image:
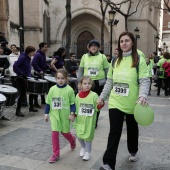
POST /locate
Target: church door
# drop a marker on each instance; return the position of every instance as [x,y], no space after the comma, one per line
[82,42]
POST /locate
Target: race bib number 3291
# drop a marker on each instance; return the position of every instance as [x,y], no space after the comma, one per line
[57,103]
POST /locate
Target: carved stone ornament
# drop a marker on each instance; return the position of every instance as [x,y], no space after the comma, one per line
[56,11]
[85,2]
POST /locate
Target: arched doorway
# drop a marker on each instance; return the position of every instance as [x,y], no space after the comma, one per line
[82,42]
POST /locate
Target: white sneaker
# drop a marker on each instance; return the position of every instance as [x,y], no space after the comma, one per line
[86,156]
[133,157]
[82,151]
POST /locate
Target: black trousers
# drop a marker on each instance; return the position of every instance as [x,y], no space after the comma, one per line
[32,98]
[21,85]
[116,118]
[98,89]
[167,86]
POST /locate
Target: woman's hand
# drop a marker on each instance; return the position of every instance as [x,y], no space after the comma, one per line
[100,101]
[53,64]
[143,101]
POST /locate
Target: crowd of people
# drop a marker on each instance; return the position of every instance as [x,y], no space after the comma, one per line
[124,79]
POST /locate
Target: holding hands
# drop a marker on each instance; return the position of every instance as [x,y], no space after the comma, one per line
[71,117]
[46,117]
[100,101]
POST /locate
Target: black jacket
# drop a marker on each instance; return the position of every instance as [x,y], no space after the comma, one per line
[71,67]
[3,41]
[4,63]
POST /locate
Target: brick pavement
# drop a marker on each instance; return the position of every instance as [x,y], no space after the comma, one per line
[25,143]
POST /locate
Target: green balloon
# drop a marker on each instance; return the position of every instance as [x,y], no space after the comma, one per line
[144,115]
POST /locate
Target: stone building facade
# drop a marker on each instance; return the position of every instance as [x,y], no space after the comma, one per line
[166,30]
[45,20]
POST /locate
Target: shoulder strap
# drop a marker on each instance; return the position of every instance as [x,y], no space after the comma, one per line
[113,60]
[137,69]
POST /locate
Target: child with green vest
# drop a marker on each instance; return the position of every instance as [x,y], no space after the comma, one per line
[86,112]
[60,103]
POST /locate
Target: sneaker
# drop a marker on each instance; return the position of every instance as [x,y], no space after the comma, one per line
[82,151]
[54,159]
[133,157]
[74,144]
[105,167]
[86,156]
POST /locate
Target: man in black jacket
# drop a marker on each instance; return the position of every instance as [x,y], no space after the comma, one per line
[4,63]
[71,67]
[3,43]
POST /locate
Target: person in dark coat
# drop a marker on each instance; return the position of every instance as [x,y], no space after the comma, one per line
[3,43]
[22,67]
[4,63]
[40,66]
[58,59]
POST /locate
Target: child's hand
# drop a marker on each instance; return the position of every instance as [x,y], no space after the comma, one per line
[46,118]
[71,117]
[100,101]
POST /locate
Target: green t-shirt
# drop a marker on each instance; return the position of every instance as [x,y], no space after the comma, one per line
[86,110]
[60,100]
[125,91]
[161,56]
[159,64]
[141,54]
[94,66]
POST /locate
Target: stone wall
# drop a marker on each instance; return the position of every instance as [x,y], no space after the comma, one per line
[86,16]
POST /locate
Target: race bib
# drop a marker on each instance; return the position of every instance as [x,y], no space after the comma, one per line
[121,89]
[86,109]
[57,103]
[93,71]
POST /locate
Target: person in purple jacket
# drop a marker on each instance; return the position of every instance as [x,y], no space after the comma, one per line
[22,67]
[58,60]
[40,66]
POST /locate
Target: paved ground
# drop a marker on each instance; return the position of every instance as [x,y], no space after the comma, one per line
[25,143]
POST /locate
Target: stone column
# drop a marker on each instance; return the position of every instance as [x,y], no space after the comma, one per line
[4,12]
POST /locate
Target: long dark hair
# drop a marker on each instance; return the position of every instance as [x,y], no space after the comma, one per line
[135,59]
[59,52]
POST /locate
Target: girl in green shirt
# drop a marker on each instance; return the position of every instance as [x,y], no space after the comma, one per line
[60,103]
[86,112]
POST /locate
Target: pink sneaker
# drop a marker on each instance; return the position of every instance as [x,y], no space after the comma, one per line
[54,159]
[73,145]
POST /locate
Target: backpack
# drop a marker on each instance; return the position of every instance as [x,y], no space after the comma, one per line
[166,66]
[137,67]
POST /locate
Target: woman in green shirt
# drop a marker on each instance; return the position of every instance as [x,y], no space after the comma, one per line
[95,65]
[127,84]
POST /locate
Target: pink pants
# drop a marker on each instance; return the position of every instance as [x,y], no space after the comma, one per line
[55,141]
